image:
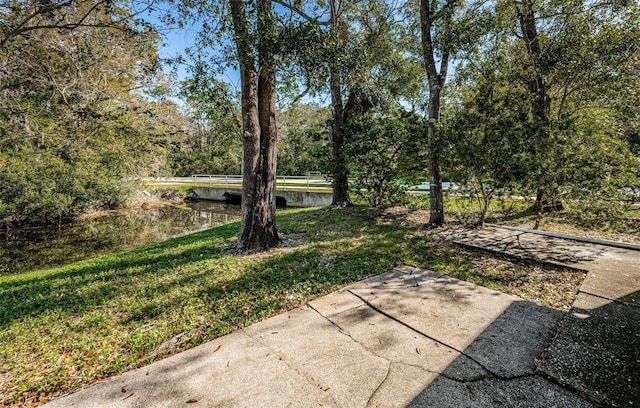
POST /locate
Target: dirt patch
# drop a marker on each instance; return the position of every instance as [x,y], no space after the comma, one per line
[399,215]
[288,243]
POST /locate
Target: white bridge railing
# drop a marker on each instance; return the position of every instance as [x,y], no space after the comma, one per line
[284,183]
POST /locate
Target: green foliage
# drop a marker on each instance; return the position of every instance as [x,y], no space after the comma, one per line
[74,120]
[556,121]
[303,141]
[487,131]
[599,178]
[47,189]
[212,142]
[380,151]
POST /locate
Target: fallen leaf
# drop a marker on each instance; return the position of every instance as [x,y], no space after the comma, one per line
[326,389]
[418,350]
[123,390]
[192,401]
[128,396]
[274,332]
[217,348]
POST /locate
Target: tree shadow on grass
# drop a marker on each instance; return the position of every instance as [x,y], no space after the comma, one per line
[110,304]
[81,287]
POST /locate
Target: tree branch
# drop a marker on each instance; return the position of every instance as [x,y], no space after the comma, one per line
[38,11]
[301,12]
[24,27]
[302,95]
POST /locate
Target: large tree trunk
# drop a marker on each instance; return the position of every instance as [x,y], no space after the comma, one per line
[538,87]
[340,175]
[436,83]
[258,231]
[436,198]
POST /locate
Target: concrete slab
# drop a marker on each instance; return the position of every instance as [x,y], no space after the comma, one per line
[597,351]
[448,310]
[531,246]
[414,360]
[233,371]
[597,347]
[614,272]
[403,384]
[311,345]
[335,303]
[511,346]
[578,238]
[507,348]
[522,392]
[615,275]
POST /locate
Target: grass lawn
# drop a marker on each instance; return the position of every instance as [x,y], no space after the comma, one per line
[518,213]
[66,327]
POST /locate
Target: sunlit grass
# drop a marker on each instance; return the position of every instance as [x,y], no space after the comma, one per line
[519,212]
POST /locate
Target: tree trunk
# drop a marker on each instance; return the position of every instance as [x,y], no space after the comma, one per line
[436,83]
[258,231]
[340,175]
[539,88]
[436,198]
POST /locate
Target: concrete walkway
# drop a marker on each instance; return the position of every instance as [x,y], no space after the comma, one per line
[414,338]
[597,348]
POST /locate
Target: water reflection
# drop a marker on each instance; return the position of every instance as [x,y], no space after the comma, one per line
[34,248]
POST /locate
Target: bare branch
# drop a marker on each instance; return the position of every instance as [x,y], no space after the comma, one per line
[37,12]
[24,26]
[302,95]
[300,12]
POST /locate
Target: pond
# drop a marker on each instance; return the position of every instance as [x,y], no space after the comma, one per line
[35,248]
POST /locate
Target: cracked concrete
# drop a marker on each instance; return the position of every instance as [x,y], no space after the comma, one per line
[383,342]
[525,392]
[415,338]
[597,348]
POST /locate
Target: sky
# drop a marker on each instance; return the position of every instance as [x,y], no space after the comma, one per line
[175,40]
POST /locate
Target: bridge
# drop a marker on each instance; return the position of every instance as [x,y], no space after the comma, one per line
[291,191]
[311,190]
